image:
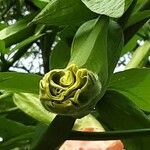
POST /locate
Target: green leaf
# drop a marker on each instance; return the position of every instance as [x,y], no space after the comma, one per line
[6,102]
[137,17]
[119,113]
[39,130]
[132,44]
[20,141]
[83,44]
[140,56]
[127,4]
[19,116]
[68,32]
[19,82]
[41,3]
[2,47]
[131,30]
[10,130]
[140,4]
[63,12]
[134,84]
[89,47]
[114,45]
[60,55]
[31,105]
[57,132]
[80,124]
[26,42]
[93,49]
[19,30]
[145,31]
[112,8]
[88,121]
[124,18]
[2,26]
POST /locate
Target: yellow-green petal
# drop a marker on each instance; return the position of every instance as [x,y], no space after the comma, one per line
[71,91]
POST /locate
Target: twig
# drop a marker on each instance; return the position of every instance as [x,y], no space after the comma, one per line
[109,135]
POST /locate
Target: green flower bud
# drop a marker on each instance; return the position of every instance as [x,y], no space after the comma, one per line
[71,91]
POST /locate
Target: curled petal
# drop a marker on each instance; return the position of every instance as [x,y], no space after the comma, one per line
[70,91]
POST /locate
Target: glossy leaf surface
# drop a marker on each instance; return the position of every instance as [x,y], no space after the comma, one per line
[19,82]
[31,105]
[63,12]
[60,55]
[134,84]
[89,47]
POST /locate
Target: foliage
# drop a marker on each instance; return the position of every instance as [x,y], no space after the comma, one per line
[92,34]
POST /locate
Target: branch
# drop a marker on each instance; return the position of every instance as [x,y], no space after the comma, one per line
[46,43]
[108,135]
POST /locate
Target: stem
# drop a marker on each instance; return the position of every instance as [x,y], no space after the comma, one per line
[109,135]
[46,43]
[39,29]
[139,56]
[56,133]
